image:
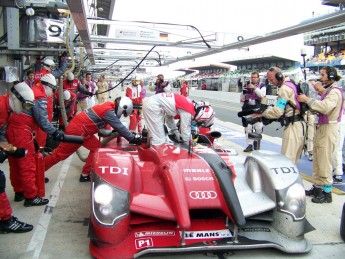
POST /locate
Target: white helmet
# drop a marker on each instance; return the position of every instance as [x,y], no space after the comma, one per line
[48,64]
[66,95]
[21,98]
[123,105]
[135,80]
[49,80]
[70,76]
[204,114]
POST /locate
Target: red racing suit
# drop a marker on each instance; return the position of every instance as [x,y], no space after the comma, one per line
[184,89]
[5,206]
[69,106]
[134,93]
[20,133]
[75,86]
[86,124]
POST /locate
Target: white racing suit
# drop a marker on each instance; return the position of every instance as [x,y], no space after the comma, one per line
[162,108]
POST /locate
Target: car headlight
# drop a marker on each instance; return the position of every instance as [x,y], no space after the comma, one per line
[109,204]
[292,201]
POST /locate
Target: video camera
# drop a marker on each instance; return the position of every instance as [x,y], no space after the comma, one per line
[248,119]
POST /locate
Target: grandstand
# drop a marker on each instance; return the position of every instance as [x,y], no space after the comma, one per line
[223,76]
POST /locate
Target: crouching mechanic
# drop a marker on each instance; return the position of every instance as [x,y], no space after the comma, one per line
[20,132]
[21,97]
[166,106]
[88,123]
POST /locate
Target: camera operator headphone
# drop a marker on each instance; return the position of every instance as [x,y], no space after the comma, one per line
[331,75]
[278,75]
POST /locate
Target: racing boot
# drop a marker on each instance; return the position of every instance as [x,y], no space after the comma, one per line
[14,225]
[84,178]
[312,190]
[37,201]
[323,197]
[18,196]
[249,148]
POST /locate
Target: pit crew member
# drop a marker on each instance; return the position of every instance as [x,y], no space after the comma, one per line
[133,92]
[20,97]
[20,132]
[163,107]
[88,123]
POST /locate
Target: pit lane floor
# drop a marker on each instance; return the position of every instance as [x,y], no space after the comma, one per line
[60,228]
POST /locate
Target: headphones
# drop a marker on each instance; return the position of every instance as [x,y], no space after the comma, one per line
[331,75]
[278,75]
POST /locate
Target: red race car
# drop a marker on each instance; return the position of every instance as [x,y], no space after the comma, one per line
[196,198]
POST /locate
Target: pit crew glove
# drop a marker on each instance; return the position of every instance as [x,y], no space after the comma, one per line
[177,135]
[58,135]
[136,140]
[19,153]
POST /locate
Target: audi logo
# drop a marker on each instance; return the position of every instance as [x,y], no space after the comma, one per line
[203,195]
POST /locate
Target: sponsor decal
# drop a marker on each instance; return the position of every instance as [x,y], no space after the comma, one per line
[155,233]
[256,229]
[196,170]
[202,179]
[113,170]
[143,243]
[284,170]
[203,195]
[207,234]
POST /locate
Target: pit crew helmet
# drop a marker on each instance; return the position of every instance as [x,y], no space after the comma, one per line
[21,97]
[48,64]
[66,95]
[135,80]
[49,83]
[204,114]
[123,105]
[70,77]
[49,80]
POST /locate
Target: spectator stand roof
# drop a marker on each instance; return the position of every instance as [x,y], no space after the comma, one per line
[267,60]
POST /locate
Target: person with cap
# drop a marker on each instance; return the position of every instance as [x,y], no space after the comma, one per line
[102,87]
[330,108]
[287,111]
[163,107]
[133,92]
[88,123]
[19,98]
[20,132]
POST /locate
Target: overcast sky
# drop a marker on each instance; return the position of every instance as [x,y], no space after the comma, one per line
[246,17]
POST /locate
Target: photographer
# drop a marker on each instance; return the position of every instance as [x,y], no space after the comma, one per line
[160,84]
[251,97]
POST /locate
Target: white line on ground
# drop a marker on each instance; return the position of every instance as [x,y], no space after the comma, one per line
[37,240]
